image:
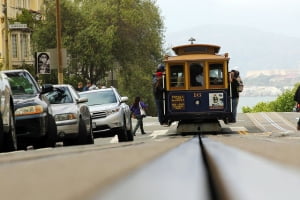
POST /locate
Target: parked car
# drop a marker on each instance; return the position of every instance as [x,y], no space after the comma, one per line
[8,139]
[110,113]
[72,115]
[35,124]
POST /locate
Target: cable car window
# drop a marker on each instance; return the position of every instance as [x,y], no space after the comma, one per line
[177,75]
[196,74]
[216,74]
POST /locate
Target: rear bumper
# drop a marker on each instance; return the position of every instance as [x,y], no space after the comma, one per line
[188,116]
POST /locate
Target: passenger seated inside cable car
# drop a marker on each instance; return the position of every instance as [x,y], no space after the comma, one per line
[196,74]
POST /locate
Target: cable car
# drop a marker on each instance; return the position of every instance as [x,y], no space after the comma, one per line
[197,86]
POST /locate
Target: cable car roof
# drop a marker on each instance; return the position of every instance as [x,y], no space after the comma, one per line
[196,49]
[193,57]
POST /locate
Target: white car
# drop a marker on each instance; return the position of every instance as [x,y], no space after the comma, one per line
[72,116]
[8,141]
[110,113]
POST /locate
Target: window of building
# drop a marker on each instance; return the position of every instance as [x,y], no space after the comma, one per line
[24,45]
[14,41]
[23,4]
[177,75]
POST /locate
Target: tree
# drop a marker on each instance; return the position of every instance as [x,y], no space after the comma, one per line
[122,36]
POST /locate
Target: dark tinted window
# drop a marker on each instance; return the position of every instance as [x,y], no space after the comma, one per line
[59,96]
[21,83]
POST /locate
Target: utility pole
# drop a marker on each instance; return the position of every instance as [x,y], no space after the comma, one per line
[58,44]
[7,65]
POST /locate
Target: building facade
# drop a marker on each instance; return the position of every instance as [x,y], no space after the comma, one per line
[15,48]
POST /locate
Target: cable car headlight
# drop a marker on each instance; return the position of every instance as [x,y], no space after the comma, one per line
[197,102]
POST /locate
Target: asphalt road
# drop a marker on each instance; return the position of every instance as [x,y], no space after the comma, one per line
[79,172]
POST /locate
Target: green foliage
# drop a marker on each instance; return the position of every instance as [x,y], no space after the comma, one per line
[283,103]
[26,17]
[123,36]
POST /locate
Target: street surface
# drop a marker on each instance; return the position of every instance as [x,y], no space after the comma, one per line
[88,171]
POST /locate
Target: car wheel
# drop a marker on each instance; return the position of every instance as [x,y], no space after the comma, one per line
[68,142]
[1,135]
[51,137]
[122,134]
[10,139]
[90,136]
[83,133]
[129,132]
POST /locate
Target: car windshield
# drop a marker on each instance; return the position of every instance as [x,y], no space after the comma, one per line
[59,96]
[21,83]
[100,97]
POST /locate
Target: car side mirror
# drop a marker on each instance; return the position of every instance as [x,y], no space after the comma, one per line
[124,99]
[47,88]
[82,100]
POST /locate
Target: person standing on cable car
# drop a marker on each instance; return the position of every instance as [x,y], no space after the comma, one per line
[234,92]
[158,93]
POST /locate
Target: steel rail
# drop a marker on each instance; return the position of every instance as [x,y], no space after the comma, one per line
[243,176]
[179,174]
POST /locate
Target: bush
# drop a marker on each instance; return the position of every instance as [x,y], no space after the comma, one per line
[283,103]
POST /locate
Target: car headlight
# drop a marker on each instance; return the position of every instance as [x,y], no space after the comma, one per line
[65,116]
[109,112]
[29,110]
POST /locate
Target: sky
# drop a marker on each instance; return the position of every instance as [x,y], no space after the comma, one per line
[277,16]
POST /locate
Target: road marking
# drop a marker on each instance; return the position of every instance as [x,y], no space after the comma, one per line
[256,122]
[238,128]
[243,132]
[274,124]
[154,134]
[115,139]
[264,122]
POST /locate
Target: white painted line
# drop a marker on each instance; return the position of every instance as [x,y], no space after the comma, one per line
[115,139]
[274,124]
[154,134]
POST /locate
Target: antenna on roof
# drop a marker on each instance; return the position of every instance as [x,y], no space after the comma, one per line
[192,40]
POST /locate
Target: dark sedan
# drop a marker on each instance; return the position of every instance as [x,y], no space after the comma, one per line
[35,124]
[8,140]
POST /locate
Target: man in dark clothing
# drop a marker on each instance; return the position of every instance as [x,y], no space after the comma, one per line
[158,95]
[234,92]
[297,99]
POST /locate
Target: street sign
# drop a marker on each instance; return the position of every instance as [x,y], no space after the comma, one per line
[17,26]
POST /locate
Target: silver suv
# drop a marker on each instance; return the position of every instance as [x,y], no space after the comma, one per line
[110,113]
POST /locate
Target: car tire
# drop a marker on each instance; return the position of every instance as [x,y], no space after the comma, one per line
[51,137]
[83,133]
[122,133]
[10,139]
[1,135]
[129,132]
[90,135]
